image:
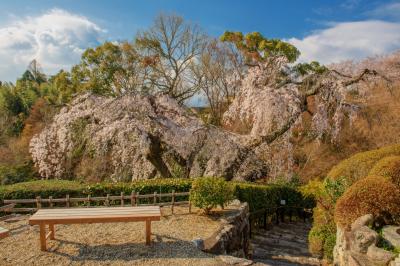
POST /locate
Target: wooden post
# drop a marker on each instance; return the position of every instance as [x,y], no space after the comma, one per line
[133,198]
[42,237]
[148,232]
[250,225]
[265,219]
[137,199]
[172,201]
[38,202]
[52,232]
[107,202]
[190,206]
[88,201]
[67,200]
[154,198]
[51,201]
[122,199]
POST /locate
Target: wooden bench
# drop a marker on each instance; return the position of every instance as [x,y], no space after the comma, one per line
[52,217]
[4,232]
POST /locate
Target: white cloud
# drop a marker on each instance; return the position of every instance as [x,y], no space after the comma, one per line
[56,39]
[349,40]
[390,10]
[350,4]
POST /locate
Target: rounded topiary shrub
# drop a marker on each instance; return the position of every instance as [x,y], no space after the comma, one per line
[371,195]
[360,164]
[210,192]
[388,167]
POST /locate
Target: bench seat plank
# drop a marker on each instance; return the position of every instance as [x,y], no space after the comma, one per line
[51,217]
[101,215]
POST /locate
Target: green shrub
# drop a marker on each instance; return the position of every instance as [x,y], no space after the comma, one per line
[257,196]
[388,167]
[43,188]
[359,165]
[269,196]
[16,173]
[371,195]
[322,236]
[321,241]
[148,186]
[329,245]
[316,242]
[59,188]
[210,192]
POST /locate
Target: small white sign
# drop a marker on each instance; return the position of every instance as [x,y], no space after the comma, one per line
[283,202]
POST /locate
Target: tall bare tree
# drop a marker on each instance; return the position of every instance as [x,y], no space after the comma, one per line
[219,72]
[175,44]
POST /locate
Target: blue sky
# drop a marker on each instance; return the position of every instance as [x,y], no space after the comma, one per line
[56,32]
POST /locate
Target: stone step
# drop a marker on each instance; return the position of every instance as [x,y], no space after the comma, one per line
[285,244]
[281,244]
[270,251]
[271,262]
[289,231]
[283,261]
[300,240]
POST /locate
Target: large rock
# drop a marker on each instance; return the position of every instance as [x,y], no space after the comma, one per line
[139,137]
[233,235]
[357,246]
[392,235]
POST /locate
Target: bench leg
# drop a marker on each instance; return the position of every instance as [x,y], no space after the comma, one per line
[42,237]
[148,232]
[51,229]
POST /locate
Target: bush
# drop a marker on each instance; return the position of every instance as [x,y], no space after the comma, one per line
[210,192]
[321,235]
[43,188]
[316,241]
[257,196]
[16,173]
[371,195]
[329,245]
[269,196]
[59,188]
[388,167]
[359,165]
[322,240]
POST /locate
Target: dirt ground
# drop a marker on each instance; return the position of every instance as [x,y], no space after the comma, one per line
[113,243]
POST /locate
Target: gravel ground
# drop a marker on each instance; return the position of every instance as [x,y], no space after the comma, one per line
[113,243]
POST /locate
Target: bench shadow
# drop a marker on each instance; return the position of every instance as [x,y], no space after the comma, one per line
[162,247]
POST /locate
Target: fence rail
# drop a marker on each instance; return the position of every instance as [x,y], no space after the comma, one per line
[262,217]
[133,199]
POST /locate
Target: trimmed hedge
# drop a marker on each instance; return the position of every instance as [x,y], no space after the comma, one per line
[371,195]
[388,167]
[359,165]
[257,196]
[43,188]
[269,196]
[59,188]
